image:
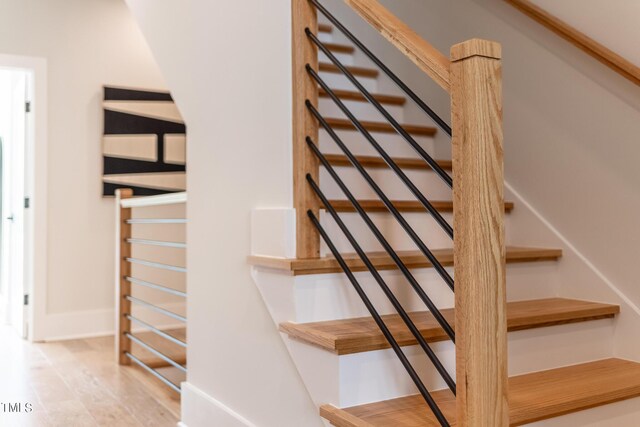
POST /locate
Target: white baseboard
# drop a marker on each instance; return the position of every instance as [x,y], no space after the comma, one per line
[99,323]
[201,410]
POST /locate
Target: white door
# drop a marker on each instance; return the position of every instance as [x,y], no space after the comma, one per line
[13,127]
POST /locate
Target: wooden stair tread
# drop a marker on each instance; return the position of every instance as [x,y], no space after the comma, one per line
[356,71]
[382,261]
[325,28]
[416,130]
[371,205]
[348,336]
[378,162]
[339,48]
[357,96]
[532,397]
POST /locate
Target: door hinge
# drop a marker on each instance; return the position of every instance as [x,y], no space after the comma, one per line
[27,106]
[27,202]
[26,299]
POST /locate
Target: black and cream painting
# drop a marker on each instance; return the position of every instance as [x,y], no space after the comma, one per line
[144,143]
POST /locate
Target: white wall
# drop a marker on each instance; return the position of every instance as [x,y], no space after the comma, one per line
[87,43]
[614,23]
[571,142]
[228,66]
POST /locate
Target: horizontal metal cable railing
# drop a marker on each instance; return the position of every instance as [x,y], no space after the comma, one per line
[157,243]
[130,284]
[157,331]
[155,308]
[155,286]
[154,264]
[157,221]
[153,372]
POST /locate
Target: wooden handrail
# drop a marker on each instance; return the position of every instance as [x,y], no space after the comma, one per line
[605,55]
[424,55]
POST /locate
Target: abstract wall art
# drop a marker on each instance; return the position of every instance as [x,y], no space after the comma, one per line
[144,142]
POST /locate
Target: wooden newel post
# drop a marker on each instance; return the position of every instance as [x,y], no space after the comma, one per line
[305,162]
[123,269]
[481,318]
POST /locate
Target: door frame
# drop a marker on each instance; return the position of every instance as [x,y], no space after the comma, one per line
[35,238]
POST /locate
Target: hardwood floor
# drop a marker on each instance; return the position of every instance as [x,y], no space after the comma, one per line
[78,383]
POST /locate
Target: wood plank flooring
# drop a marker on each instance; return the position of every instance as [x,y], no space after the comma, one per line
[77,383]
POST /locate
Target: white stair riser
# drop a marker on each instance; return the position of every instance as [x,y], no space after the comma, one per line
[427,182]
[332,296]
[379,375]
[393,144]
[343,58]
[421,222]
[326,37]
[362,110]
[339,81]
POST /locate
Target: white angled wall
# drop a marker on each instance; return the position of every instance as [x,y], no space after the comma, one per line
[228,65]
[87,43]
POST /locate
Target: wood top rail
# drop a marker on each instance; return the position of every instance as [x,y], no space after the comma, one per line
[606,56]
[160,200]
[424,55]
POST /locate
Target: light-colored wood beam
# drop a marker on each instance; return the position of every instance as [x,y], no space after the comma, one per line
[305,162]
[479,248]
[424,55]
[123,269]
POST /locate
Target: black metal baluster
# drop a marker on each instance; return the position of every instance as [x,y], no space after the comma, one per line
[394,123]
[383,327]
[415,98]
[403,177]
[392,209]
[385,288]
[379,236]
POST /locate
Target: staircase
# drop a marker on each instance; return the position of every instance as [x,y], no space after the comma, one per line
[559,349]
